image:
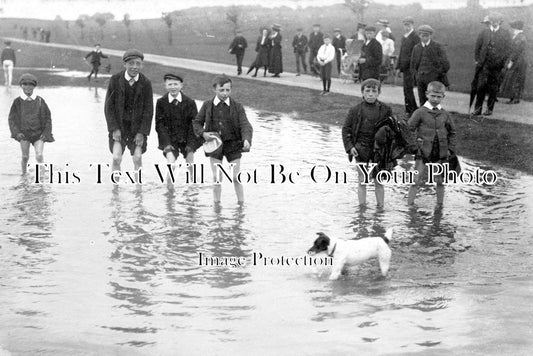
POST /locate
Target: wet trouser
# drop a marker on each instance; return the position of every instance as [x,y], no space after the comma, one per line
[300,57]
[408,92]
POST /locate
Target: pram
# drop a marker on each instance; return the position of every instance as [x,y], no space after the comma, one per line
[349,60]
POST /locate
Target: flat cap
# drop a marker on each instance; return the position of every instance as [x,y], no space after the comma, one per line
[336,29]
[495,16]
[132,53]
[408,19]
[7,43]
[426,29]
[173,77]
[518,25]
[370,82]
[28,78]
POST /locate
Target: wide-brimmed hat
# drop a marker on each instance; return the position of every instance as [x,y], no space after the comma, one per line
[213,144]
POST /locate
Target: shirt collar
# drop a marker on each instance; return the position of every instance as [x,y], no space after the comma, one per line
[171,98]
[494,28]
[425,44]
[408,33]
[430,107]
[25,97]
[128,78]
[216,101]
[516,33]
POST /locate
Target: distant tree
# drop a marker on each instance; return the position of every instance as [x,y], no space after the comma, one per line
[127,22]
[233,15]
[101,19]
[168,18]
[358,7]
[81,22]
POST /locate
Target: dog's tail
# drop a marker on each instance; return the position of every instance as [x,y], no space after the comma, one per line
[388,235]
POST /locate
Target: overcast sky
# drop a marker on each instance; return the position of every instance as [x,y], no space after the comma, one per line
[71,9]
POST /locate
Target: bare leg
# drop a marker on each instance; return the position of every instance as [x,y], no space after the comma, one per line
[419,180]
[25,148]
[361,189]
[137,161]
[380,194]
[217,177]
[239,190]
[39,147]
[440,191]
[117,156]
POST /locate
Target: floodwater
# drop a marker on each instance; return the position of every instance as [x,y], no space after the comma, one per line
[94,269]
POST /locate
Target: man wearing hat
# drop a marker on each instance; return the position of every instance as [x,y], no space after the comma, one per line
[238,47]
[129,109]
[275,59]
[491,52]
[371,56]
[8,62]
[339,42]
[383,26]
[316,40]
[299,44]
[174,114]
[409,40]
[428,62]
[96,55]
[516,67]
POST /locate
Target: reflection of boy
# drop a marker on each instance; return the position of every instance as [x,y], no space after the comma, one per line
[358,134]
[30,121]
[224,117]
[129,109]
[435,132]
[174,114]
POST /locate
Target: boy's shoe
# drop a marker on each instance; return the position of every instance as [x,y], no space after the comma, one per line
[487,113]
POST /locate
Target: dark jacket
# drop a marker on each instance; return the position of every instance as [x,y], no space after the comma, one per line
[492,56]
[238,45]
[427,124]
[95,57]
[241,126]
[263,51]
[339,44]
[406,50]
[9,53]
[15,120]
[143,107]
[352,124]
[275,60]
[439,62]
[171,129]
[315,41]
[299,43]
[373,54]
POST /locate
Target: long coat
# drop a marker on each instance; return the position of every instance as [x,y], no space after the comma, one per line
[373,54]
[439,63]
[263,52]
[515,77]
[143,104]
[275,65]
[406,50]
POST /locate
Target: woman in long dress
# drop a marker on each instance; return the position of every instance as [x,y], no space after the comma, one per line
[516,66]
[263,52]
[275,65]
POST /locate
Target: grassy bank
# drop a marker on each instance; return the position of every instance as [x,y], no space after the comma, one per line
[204,33]
[504,143]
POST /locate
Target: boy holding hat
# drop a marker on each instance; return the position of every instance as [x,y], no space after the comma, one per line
[222,118]
[174,114]
[428,62]
[30,121]
[129,109]
[8,62]
[358,134]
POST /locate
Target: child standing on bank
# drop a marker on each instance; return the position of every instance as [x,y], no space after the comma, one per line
[129,107]
[30,121]
[358,134]
[225,118]
[325,57]
[174,114]
[435,132]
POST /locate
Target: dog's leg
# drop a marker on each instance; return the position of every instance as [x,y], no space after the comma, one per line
[337,270]
[384,260]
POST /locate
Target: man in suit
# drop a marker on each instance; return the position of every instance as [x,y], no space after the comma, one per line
[371,56]
[491,52]
[428,62]
[237,47]
[409,40]
[299,44]
[339,42]
[316,40]
[129,107]
[95,60]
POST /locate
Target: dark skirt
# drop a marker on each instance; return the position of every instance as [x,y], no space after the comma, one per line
[514,80]
[276,62]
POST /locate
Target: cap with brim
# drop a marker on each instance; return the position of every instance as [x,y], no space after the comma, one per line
[517,25]
[276,27]
[172,76]
[212,145]
[370,29]
[370,82]
[132,53]
[486,19]
[383,22]
[28,78]
[408,19]
[361,25]
[327,35]
[495,16]
[425,29]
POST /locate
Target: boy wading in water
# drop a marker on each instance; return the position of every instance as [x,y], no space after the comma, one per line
[129,109]
[435,132]
[30,121]
[225,119]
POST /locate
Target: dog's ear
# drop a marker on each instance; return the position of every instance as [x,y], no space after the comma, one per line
[321,234]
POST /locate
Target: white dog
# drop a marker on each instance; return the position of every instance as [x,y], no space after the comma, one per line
[353,252]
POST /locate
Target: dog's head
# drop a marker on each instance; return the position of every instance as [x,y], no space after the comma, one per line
[321,244]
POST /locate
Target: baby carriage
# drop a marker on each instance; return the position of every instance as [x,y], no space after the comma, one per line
[349,60]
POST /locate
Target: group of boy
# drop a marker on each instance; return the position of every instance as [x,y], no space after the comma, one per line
[129,110]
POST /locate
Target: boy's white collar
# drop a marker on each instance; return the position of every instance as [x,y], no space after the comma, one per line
[171,98]
[32,96]
[217,100]
[128,77]
[430,107]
